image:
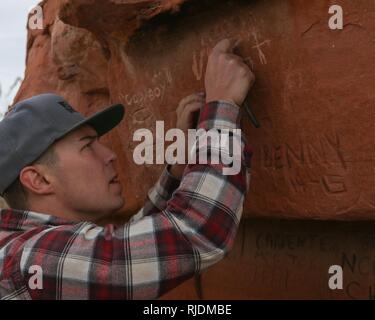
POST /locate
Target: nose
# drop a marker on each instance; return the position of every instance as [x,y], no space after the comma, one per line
[108,155]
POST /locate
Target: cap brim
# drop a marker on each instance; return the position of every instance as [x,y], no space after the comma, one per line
[104,120]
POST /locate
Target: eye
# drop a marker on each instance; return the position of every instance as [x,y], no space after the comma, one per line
[88,146]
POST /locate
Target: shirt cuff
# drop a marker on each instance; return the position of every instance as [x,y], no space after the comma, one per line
[220,115]
[164,188]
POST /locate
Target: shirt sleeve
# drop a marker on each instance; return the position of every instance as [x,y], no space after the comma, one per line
[149,256]
[158,196]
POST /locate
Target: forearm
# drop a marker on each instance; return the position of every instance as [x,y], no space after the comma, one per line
[161,192]
[214,199]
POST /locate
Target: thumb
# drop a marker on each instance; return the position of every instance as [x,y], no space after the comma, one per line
[225,46]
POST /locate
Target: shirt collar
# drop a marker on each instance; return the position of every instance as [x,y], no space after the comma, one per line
[19,220]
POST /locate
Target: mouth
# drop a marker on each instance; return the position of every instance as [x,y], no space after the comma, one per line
[114,179]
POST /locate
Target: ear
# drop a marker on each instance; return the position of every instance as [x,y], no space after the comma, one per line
[36,180]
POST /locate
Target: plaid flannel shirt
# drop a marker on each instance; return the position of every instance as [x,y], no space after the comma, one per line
[185,227]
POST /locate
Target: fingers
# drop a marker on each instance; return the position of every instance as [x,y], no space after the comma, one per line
[234,58]
[225,46]
[239,62]
[187,109]
[193,98]
[192,107]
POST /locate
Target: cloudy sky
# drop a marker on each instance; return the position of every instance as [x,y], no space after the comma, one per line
[13,20]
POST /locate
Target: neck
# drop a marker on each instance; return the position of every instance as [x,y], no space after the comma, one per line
[56,209]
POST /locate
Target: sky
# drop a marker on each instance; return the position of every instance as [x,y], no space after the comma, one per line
[13,21]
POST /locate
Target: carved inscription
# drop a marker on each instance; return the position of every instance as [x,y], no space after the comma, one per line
[318,162]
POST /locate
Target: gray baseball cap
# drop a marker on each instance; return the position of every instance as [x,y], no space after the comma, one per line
[35,124]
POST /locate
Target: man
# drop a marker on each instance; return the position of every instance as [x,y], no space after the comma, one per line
[62,180]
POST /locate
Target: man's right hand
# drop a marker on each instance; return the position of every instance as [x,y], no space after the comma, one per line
[227,76]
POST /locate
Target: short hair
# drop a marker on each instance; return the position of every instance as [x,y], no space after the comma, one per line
[16,195]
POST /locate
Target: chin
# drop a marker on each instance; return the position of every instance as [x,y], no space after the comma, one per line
[112,216]
[118,204]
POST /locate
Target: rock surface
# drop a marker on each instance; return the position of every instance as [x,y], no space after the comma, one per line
[282,259]
[314,154]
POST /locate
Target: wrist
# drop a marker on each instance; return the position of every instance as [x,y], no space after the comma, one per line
[220,114]
[228,101]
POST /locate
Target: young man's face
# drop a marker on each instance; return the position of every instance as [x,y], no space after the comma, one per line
[85,179]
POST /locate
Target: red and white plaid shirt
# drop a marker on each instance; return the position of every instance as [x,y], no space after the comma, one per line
[185,227]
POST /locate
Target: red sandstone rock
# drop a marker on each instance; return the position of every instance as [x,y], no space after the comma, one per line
[314,154]
[290,260]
